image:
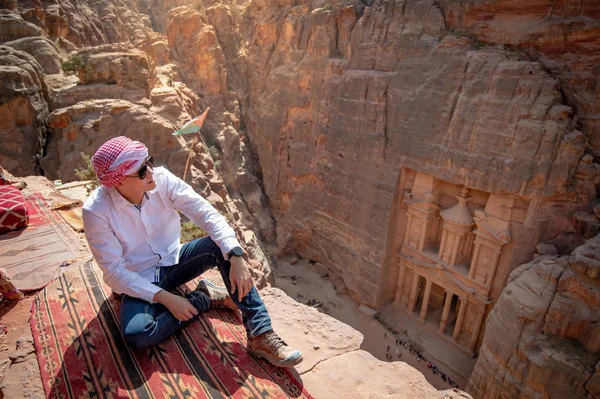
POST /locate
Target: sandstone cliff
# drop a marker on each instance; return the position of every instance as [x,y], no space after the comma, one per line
[543,336]
[341,98]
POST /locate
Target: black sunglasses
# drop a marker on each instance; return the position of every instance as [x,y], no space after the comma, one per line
[144,169]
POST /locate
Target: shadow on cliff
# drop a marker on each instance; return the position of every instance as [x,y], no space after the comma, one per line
[197,361]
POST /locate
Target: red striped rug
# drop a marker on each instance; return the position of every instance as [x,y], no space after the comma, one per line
[32,256]
[81,352]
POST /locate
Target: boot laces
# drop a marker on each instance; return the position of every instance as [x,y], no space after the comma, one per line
[274,341]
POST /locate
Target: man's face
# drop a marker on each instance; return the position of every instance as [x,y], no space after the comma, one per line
[134,183]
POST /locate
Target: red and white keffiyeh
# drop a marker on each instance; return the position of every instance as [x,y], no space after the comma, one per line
[117,158]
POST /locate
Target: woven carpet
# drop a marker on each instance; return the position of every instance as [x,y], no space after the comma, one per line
[82,354]
[32,256]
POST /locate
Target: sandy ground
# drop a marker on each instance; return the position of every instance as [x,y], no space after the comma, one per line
[303,282]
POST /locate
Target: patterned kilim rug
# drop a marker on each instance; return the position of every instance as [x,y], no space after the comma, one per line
[82,354]
[32,256]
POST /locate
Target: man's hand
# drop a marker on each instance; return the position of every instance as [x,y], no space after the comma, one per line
[239,277]
[179,306]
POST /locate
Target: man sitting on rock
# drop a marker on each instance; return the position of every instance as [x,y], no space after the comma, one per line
[132,227]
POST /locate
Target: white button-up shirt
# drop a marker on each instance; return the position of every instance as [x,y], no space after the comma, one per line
[129,243]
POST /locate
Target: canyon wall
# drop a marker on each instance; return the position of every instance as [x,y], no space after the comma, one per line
[341,98]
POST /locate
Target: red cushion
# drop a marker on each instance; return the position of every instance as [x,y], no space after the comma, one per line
[13,212]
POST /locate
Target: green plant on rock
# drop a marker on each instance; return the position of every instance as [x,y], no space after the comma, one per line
[72,65]
[86,172]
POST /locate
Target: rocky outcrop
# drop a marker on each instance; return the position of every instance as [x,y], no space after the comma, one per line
[543,338]
[117,71]
[176,104]
[334,365]
[23,111]
[42,49]
[117,64]
[198,51]
[13,26]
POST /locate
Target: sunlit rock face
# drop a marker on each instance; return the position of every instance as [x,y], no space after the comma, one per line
[340,100]
[542,337]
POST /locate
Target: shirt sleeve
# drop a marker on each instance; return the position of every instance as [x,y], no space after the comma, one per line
[108,252]
[201,212]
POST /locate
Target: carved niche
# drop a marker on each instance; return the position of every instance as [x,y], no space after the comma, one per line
[422,222]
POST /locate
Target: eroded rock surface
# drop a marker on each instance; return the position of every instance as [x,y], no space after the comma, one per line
[23,111]
[542,337]
[43,50]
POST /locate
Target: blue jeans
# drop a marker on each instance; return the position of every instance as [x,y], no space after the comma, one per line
[145,324]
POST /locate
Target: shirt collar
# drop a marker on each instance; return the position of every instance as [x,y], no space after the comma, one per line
[120,201]
[117,199]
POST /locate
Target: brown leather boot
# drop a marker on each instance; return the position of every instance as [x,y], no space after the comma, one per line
[273,349]
[219,297]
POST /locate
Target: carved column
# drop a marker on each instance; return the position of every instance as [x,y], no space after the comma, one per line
[413,292]
[461,318]
[425,304]
[477,330]
[455,250]
[443,243]
[408,226]
[475,259]
[492,273]
[423,235]
[446,311]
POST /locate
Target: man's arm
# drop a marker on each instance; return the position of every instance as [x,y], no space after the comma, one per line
[239,277]
[203,214]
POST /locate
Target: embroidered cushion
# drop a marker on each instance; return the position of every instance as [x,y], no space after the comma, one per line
[13,212]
